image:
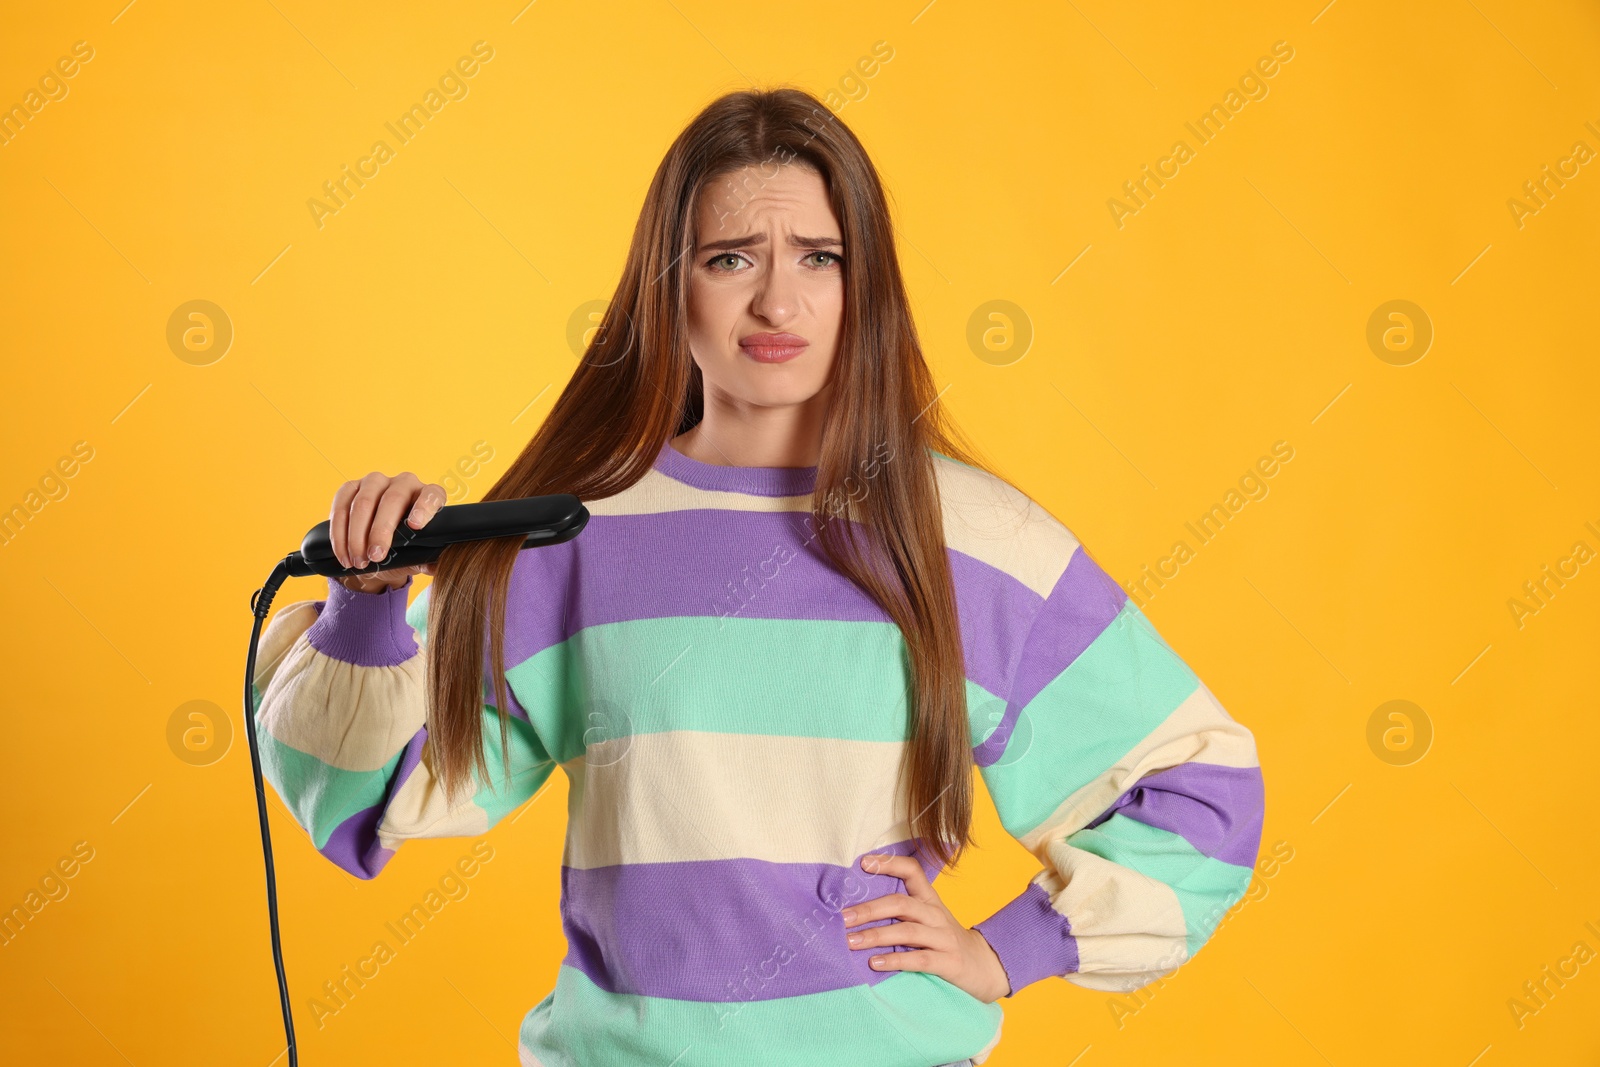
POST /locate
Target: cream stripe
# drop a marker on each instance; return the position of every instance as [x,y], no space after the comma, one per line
[1198,730]
[349,717]
[656,492]
[283,629]
[1125,962]
[693,795]
[419,810]
[985,517]
[1103,898]
[989,519]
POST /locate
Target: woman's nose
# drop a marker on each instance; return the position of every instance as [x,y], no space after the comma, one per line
[774,298]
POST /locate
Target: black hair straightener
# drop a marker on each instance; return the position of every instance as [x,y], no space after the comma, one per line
[539,520]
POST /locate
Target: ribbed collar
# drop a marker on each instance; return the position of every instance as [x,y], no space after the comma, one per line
[757,481]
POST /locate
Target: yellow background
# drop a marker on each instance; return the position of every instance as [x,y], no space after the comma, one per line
[431,313]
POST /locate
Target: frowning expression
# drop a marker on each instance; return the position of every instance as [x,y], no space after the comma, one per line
[766,290]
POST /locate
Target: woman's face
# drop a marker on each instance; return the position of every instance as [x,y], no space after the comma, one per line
[766,289]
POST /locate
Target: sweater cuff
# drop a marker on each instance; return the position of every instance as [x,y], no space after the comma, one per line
[365,629]
[1032,939]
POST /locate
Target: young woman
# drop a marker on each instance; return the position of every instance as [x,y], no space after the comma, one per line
[800,614]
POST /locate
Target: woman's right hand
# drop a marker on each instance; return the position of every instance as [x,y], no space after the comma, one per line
[363,520]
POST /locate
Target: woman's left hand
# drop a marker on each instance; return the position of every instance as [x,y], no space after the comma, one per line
[946,948]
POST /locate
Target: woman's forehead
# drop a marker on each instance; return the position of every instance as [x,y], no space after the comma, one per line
[791,201]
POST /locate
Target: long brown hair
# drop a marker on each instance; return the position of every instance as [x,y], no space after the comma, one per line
[636,385]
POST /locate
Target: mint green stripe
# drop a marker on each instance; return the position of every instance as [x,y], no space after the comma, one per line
[722,675]
[1206,887]
[912,1017]
[319,797]
[531,766]
[1119,689]
[957,462]
[782,677]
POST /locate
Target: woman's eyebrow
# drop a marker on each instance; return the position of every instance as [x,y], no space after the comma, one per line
[761,239]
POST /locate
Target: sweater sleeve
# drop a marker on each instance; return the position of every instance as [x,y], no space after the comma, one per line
[341,708]
[1119,770]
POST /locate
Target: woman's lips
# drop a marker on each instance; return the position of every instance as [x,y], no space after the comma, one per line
[773,351]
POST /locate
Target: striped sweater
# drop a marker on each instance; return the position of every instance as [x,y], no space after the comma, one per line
[730,711]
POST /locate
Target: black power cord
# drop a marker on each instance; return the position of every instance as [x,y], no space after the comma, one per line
[260,604]
[541,520]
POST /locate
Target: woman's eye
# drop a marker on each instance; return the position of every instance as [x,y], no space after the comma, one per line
[729,262]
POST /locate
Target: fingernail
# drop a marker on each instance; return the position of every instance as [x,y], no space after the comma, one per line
[849,916]
[376,552]
[412,519]
[854,939]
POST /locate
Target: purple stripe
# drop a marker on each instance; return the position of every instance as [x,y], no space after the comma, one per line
[1032,939]
[366,629]
[539,577]
[370,630]
[1082,604]
[757,481]
[723,930]
[621,576]
[353,844]
[1219,810]
[514,706]
[410,760]
[992,610]
[727,566]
